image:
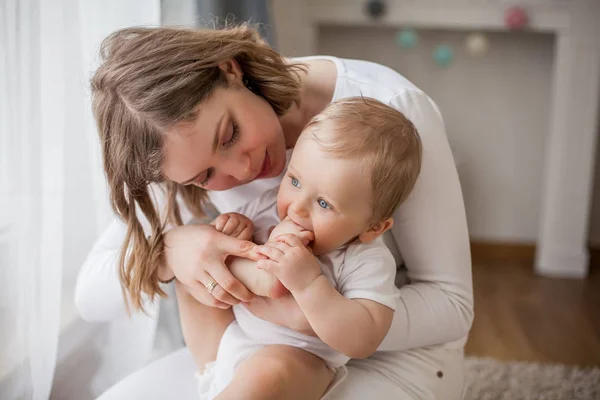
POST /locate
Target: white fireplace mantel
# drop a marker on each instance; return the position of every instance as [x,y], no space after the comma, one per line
[569,156]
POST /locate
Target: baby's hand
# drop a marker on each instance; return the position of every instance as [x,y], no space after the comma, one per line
[234,225]
[288,258]
[288,226]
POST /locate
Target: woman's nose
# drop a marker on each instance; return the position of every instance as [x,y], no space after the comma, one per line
[240,167]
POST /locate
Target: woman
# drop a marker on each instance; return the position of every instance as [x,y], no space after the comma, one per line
[217,112]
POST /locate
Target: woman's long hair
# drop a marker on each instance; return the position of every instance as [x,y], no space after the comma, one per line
[151,79]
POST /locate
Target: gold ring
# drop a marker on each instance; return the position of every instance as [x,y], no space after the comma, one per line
[211,286]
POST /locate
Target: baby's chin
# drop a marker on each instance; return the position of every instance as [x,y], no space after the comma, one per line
[318,249]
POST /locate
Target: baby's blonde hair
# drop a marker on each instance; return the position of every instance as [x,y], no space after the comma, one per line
[382,137]
[151,79]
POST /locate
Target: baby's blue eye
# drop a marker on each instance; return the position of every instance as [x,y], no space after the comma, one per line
[295,182]
[323,203]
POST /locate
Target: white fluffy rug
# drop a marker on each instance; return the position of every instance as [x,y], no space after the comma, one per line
[489,379]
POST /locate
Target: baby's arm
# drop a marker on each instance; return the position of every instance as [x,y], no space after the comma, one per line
[355,327]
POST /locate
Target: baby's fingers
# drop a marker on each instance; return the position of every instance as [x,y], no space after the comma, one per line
[245,234]
[274,251]
[268,265]
[220,221]
[290,239]
[306,237]
[230,226]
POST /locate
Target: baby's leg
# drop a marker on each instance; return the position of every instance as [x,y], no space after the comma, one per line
[279,372]
[258,281]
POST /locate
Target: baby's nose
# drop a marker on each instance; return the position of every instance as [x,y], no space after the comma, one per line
[301,211]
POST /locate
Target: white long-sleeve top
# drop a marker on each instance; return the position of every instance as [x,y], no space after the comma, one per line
[429,233]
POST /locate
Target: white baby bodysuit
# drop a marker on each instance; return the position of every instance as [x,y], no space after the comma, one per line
[356,270]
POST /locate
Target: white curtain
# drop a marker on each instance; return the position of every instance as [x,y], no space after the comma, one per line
[53,201]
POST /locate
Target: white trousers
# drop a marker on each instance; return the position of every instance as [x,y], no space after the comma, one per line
[420,374]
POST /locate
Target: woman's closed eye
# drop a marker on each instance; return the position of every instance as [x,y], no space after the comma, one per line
[231,137]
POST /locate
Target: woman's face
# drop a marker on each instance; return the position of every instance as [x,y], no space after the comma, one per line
[235,139]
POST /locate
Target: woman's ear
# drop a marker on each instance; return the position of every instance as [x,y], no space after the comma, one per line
[232,70]
[375,230]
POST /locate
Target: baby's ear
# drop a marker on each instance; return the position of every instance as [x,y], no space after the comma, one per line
[375,230]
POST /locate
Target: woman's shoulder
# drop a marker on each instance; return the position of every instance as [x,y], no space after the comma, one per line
[370,79]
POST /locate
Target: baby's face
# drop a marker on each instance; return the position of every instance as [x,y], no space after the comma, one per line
[329,196]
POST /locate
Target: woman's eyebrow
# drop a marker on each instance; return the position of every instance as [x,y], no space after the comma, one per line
[215,144]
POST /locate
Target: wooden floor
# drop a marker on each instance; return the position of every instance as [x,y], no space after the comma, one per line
[520,316]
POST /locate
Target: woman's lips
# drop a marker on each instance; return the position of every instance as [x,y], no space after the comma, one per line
[266,167]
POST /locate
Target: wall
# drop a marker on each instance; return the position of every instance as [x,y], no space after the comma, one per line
[595,215]
[496,111]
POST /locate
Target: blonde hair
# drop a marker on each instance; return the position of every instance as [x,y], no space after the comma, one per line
[151,79]
[382,137]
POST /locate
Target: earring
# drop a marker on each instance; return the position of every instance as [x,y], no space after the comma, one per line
[250,85]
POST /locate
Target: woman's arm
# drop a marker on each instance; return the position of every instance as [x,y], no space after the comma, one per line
[430,229]
[98,295]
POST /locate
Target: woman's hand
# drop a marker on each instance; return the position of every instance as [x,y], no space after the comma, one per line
[234,225]
[196,255]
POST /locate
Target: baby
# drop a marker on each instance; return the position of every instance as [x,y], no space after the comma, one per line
[352,166]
